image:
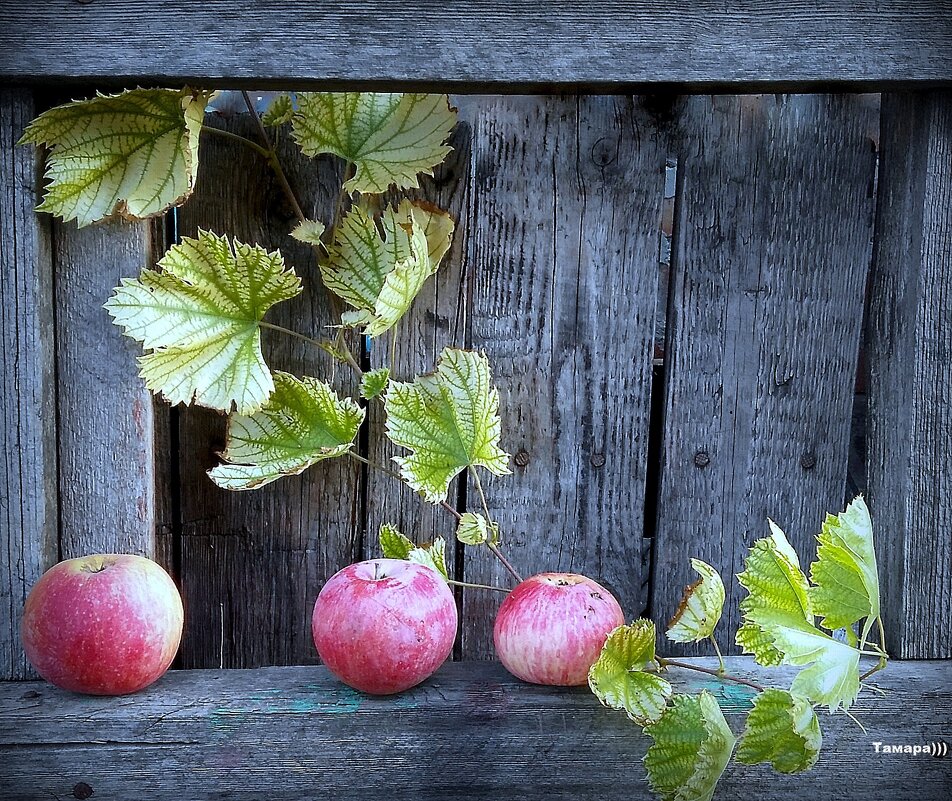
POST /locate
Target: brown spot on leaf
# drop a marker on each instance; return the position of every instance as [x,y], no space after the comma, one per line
[688,592]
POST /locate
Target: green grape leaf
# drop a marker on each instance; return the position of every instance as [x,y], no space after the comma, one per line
[279,112]
[303,422]
[434,556]
[778,625]
[391,138]
[700,608]
[199,318]
[135,153]
[618,676]
[778,593]
[692,746]
[374,382]
[781,729]
[381,276]
[845,573]
[393,544]
[474,529]
[309,232]
[449,420]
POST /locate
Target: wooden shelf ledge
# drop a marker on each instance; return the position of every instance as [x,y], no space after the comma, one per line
[471,731]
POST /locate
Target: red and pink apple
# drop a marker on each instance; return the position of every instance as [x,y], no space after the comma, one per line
[384,625]
[551,628]
[107,624]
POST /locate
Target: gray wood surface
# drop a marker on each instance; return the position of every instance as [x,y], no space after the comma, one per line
[909,334]
[769,261]
[494,46]
[436,320]
[253,562]
[28,489]
[564,245]
[106,439]
[469,732]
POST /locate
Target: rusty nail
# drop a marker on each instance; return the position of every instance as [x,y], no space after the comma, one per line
[598,459]
[522,458]
[808,461]
[701,459]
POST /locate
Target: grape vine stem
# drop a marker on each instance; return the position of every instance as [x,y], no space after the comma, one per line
[710,671]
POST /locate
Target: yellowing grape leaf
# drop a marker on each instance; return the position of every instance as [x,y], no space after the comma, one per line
[432,556]
[303,422]
[391,138]
[449,420]
[309,232]
[199,319]
[781,729]
[474,529]
[393,544]
[692,745]
[374,382]
[618,676]
[845,573]
[700,608]
[279,112]
[832,677]
[135,153]
[381,275]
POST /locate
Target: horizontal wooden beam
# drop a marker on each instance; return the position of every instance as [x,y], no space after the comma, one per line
[470,732]
[513,46]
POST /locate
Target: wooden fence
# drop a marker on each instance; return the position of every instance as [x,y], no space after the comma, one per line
[795,217]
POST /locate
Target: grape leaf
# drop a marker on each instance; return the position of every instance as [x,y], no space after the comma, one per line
[778,625]
[692,745]
[618,676]
[781,729]
[309,232]
[391,138]
[374,382]
[380,277]
[474,529]
[845,573]
[393,544]
[433,556]
[778,592]
[303,422]
[279,112]
[135,153]
[449,420]
[700,608]
[199,318]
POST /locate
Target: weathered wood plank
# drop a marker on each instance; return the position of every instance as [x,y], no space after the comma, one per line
[490,46]
[469,732]
[436,320]
[106,437]
[769,262]
[564,243]
[909,441]
[253,562]
[28,489]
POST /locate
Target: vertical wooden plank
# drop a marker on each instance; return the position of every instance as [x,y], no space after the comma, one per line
[565,238]
[436,320]
[253,562]
[772,246]
[909,335]
[107,434]
[28,489]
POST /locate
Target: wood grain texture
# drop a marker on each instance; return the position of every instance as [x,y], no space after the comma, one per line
[564,243]
[253,562]
[106,438]
[769,262]
[485,46]
[28,488]
[909,336]
[469,732]
[436,320]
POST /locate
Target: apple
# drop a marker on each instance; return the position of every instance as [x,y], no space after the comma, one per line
[107,624]
[384,625]
[551,628]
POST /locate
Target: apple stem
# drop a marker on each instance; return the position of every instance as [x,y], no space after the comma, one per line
[476,586]
[727,676]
